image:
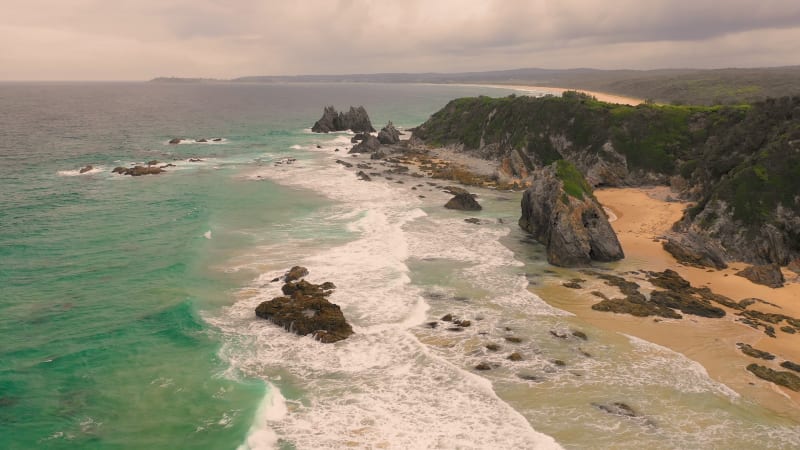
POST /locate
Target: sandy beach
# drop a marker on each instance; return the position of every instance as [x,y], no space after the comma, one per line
[642,215]
[602,96]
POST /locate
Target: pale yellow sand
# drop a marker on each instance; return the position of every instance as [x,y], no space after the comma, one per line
[641,217]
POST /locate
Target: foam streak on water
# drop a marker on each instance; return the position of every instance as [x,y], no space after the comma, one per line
[382,386]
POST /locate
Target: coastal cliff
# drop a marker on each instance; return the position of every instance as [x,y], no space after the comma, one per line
[739,164]
[561,213]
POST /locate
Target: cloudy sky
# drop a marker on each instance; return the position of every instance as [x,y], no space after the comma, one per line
[141,39]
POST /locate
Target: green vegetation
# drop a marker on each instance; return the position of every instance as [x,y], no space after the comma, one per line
[747,156]
[574,183]
[652,137]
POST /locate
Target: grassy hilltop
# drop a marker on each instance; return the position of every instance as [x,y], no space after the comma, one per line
[741,164]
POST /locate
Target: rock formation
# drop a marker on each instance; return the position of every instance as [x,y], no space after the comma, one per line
[304,309]
[356,119]
[693,250]
[463,201]
[86,169]
[137,171]
[367,145]
[389,135]
[766,274]
[561,213]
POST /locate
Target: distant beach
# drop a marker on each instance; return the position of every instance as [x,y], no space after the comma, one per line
[602,96]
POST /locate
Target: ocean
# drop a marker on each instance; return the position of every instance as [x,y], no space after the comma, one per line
[127,303]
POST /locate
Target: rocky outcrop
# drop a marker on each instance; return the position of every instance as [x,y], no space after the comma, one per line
[693,250]
[367,145]
[137,171]
[356,119]
[463,201]
[752,352]
[779,377]
[389,135]
[767,274]
[175,141]
[737,165]
[304,309]
[86,169]
[561,213]
[671,292]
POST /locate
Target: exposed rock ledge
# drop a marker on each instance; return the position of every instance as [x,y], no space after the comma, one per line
[561,213]
[304,309]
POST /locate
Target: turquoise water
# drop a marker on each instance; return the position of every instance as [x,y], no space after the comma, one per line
[126,304]
[104,278]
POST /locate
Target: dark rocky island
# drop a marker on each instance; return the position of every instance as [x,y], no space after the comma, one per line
[356,119]
[304,309]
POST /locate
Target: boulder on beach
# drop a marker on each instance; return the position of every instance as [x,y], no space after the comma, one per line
[693,250]
[305,310]
[766,274]
[356,119]
[560,211]
[463,201]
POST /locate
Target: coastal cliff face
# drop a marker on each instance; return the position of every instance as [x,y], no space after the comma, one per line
[561,213]
[740,164]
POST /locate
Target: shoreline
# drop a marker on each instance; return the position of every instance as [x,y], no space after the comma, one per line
[639,217]
[557,91]
[643,215]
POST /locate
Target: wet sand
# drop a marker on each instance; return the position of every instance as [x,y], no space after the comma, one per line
[642,216]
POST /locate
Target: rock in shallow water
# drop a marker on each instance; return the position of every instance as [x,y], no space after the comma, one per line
[306,310]
[463,201]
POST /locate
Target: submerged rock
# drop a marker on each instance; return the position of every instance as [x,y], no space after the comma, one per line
[306,310]
[464,202]
[137,171]
[356,119]
[561,213]
[86,169]
[767,274]
[175,141]
[617,409]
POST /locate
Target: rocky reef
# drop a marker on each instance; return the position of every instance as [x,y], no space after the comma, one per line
[304,309]
[356,119]
[561,213]
[137,171]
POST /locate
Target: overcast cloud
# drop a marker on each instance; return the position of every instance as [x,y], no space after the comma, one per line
[141,39]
